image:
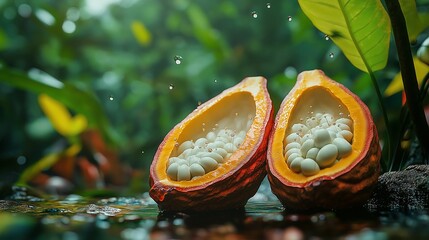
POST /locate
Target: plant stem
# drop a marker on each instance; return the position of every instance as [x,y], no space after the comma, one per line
[408,72]
[398,156]
[385,118]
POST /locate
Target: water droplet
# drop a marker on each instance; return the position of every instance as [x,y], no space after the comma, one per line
[21,160]
[331,55]
[111,98]
[236,114]
[204,124]
[199,103]
[268,5]
[204,129]
[215,81]
[326,37]
[289,18]
[171,86]
[142,151]
[254,14]
[178,59]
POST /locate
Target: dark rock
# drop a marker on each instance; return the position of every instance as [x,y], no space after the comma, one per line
[402,190]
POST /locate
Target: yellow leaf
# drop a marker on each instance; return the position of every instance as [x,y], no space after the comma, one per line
[78,125]
[141,33]
[60,117]
[396,84]
[46,162]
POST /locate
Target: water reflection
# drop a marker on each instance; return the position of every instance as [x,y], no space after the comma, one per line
[139,218]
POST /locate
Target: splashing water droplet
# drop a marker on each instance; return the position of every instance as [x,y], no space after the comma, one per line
[171,86]
[289,18]
[142,151]
[178,59]
[326,37]
[268,5]
[215,81]
[254,14]
[111,98]
[331,55]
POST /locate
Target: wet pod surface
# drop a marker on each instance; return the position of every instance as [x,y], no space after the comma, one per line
[75,217]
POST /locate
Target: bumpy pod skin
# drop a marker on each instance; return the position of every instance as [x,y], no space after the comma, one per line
[225,190]
[345,191]
[340,187]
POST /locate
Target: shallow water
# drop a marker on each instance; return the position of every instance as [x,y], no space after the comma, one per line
[74,217]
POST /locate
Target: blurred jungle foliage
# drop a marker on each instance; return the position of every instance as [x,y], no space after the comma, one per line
[115,61]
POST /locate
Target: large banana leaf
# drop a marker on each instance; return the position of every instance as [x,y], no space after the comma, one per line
[360,28]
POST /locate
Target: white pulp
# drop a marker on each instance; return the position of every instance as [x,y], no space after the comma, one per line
[197,157]
[318,143]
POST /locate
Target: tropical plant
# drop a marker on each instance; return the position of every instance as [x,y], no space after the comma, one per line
[116,66]
[362,31]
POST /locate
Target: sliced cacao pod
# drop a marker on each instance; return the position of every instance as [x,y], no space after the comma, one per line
[324,151]
[215,159]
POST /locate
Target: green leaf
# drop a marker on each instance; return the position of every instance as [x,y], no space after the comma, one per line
[204,32]
[76,99]
[361,29]
[414,24]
